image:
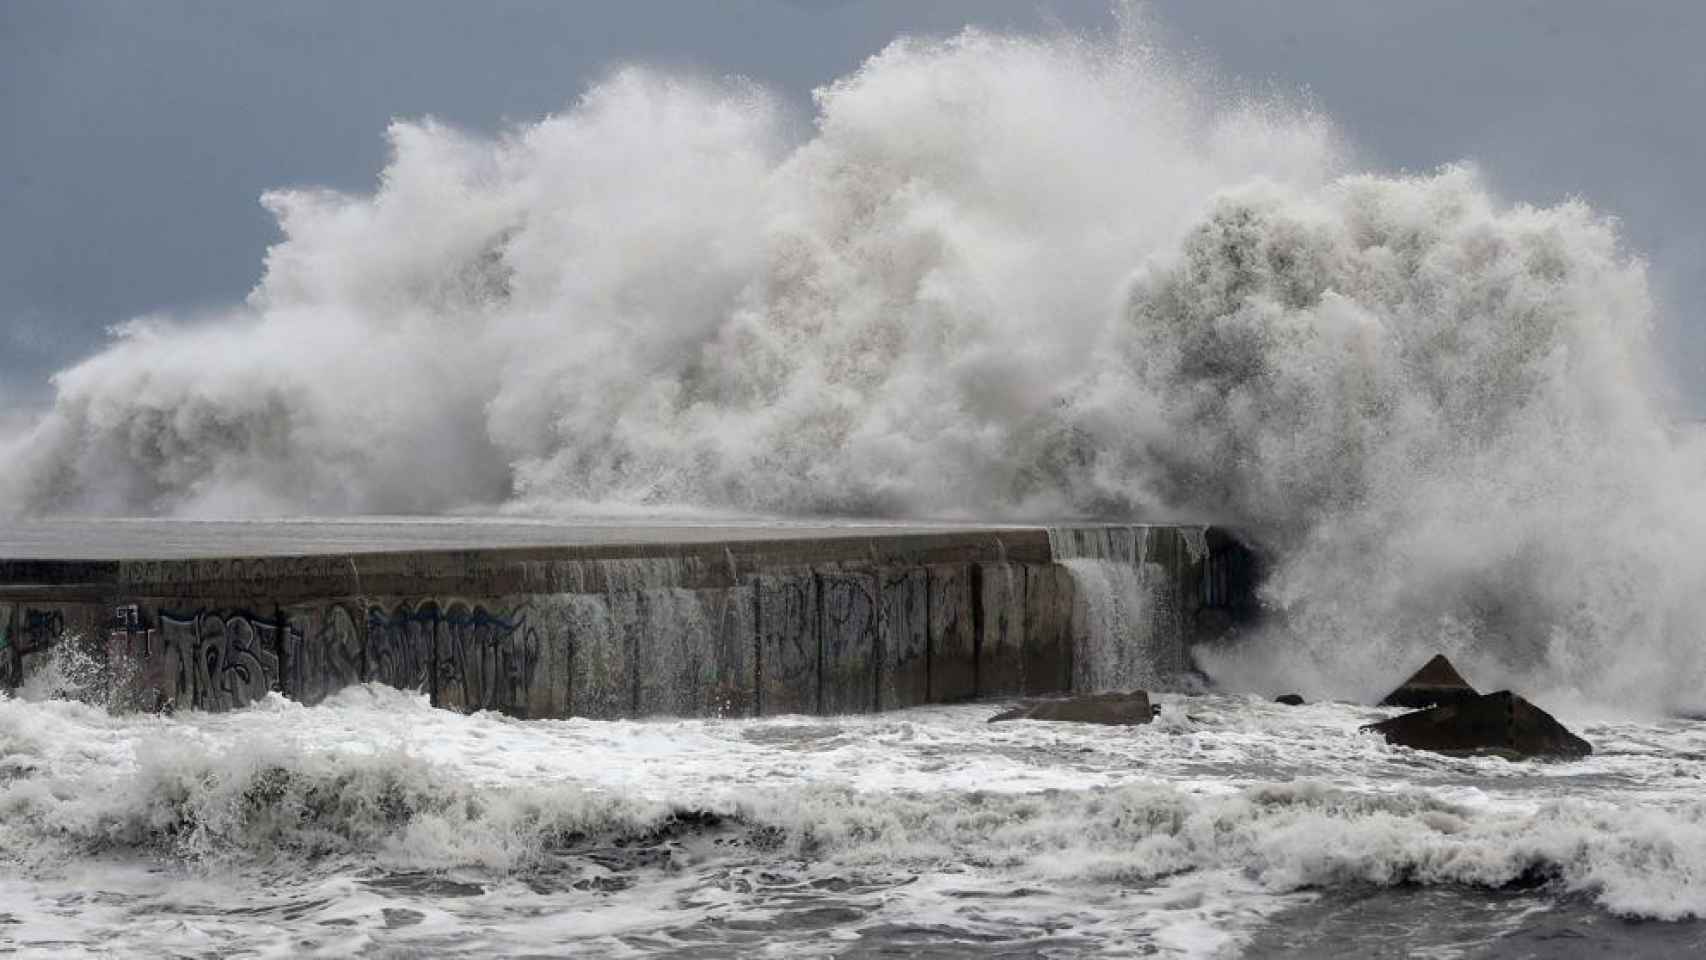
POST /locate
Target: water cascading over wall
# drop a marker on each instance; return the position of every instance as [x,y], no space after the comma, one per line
[809,626]
[1137,593]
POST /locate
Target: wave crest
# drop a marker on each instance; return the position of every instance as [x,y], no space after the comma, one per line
[265,804]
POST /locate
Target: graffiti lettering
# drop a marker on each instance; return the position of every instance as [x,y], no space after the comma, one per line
[235,658]
[485,662]
[399,646]
[322,653]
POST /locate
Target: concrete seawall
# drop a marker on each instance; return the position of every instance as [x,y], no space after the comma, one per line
[832,622]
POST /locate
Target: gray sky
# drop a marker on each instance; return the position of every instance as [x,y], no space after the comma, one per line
[135,139]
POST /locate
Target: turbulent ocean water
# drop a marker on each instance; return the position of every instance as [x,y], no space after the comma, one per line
[375,825]
[996,277]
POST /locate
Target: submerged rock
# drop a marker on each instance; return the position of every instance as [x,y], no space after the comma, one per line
[1438,682]
[1117,709]
[1501,724]
[1289,699]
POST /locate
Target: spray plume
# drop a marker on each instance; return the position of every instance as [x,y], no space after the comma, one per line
[1001,277]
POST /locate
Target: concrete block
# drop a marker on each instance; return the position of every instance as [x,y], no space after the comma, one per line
[1168,637]
[9,669]
[668,649]
[491,660]
[235,655]
[600,665]
[953,641]
[903,638]
[698,653]
[512,656]
[547,685]
[36,630]
[848,602]
[322,651]
[735,691]
[676,653]
[400,646]
[1091,653]
[788,643]
[148,669]
[1048,629]
[1001,644]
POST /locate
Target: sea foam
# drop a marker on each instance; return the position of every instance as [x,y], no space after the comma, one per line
[377,777]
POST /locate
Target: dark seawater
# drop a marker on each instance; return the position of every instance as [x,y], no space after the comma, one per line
[1377,922]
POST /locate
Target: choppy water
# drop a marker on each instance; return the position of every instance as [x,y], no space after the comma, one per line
[374,825]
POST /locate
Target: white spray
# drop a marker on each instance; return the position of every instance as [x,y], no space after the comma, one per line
[1002,277]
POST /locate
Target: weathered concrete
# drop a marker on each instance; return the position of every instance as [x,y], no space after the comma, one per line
[789,655]
[1000,628]
[847,673]
[694,653]
[903,638]
[9,669]
[848,620]
[602,664]
[322,652]
[953,637]
[400,644]
[1048,630]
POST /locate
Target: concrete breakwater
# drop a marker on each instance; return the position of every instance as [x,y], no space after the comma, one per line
[843,622]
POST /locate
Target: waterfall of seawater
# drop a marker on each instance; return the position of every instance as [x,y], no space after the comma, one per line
[1128,615]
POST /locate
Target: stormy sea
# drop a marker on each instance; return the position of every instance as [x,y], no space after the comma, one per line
[373,824]
[992,279]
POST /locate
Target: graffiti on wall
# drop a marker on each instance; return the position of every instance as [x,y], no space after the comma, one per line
[400,646]
[788,644]
[234,657]
[466,657]
[485,662]
[149,670]
[848,638]
[321,653]
[849,661]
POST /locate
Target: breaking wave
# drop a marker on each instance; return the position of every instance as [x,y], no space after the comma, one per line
[228,802]
[998,277]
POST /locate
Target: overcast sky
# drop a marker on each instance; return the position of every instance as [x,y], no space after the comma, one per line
[136,138]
